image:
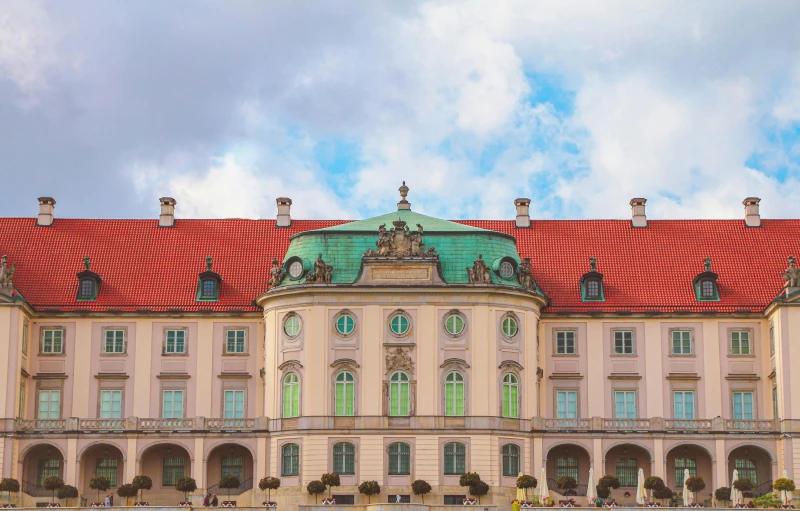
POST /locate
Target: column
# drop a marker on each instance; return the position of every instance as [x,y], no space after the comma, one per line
[660,461]
[598,460]
[199,462]
[71,462]
[538,456]
[262,455]
[721,467]
[131,460]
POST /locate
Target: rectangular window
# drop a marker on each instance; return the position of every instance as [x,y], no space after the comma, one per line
[291,460]
[747,470]
[627,471]
[681,464]
[176,341]
[234,404]
[25,339]
[681,342]
[173,470]
[172,406]
[49,404]
[404,499]
[683,404]
[771,339]
[625,404]
[565,342]
[233,466]
[450,500]
[235,341]
[53,341]
[344,459]
[47,468]
[743,406]
[740,343]
[110,404]
[774,402]
[115,341]
[22,390]
[567,404]
[623,342]
[107,467]
[345,499]
[567,467]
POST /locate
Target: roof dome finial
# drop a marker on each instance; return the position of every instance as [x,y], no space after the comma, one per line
[403,204]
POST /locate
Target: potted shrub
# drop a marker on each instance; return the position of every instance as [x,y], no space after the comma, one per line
[421,488]
[469,479]
[52,484]
[723,494]
[186,485]
[126,491]
[315,488]
[479,489]
[229,482]
[330,480]
[67,492]
[568,484]
[9,485]
[651,484]
[100,484]
[524,482]
[369,488]
[787,485]
[142,483]
[267,484]
[602,494]
[743,484]
[663,493]
[768,500]
[695,484]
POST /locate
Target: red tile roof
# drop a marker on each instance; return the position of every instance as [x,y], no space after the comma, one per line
[147,267]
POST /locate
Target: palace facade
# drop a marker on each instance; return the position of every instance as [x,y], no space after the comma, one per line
[397,348]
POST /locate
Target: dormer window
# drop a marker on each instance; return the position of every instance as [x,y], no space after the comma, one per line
[592,284]
[88,282]
[705,284]
[208,284]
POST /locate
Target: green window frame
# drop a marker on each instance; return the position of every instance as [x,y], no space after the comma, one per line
[47,468]
[567,466]
[747,469]
[108,468]
[510,396]
[172,404]
[454,394]
[681,342]
[175,342]
[455,459]
[234,404]
[771,339]
[53,341]
[399,394]
[111,404]
[682,464]
[625,404]
[510,327]
[775,414]
[114,342]
[345,394]
[454,324]
[290,454]
[344,458]
[511,460]
[399,324]
[345,324]
[683,404]
[49,404]
[627,471]
[740,342]
[236,341]
[173,469]
[232,466]
[292,325]
[23,389]
[291,396]
[743,406]
[566,404]
[25,339]
[399,459]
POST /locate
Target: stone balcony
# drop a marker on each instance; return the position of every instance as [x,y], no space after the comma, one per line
[657,424]
[136,424]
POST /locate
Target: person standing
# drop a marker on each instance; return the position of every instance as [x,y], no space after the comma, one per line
[207,500]
[214,501]
[107,502]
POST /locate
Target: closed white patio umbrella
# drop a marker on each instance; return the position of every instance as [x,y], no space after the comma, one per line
[544,491]
[687,497]
[591,493]
[520,491]
[785,494]
[641,494]
[736,495]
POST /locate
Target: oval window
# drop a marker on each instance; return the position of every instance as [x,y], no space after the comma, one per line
[454,324]
[399,324]
[506,270]
[291,326]
[345,324]
[296,269]
[510,326]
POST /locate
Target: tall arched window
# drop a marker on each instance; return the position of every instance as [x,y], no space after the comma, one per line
[454,394]
[399,392]
[290,454]
[344,458]
[455,459]
[510,396]
[291,396]
[345,396]
[399,459]
[511,460]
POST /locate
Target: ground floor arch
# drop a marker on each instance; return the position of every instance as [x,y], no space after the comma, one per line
[100,459]
[697,460]
[568,459]
[165,463]
[755,463]
[229,458]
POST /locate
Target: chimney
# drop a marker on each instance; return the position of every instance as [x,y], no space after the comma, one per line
[284,219]
[523,217]
[752,218]
[638,218]
[167,216]
[47,211]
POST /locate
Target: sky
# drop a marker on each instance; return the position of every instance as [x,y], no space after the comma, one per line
[226,105]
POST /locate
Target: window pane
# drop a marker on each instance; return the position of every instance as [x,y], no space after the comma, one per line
[107,467]
[110,404]
[172,407]
[747,469]
[567,467]
[510,460]
[50,404]
[291,460]
[47,468]
[173,470]
[399,459]
[234,466]
[455,458]
[681,464]
[626,471]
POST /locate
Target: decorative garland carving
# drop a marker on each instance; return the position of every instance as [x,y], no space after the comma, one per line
[399,360]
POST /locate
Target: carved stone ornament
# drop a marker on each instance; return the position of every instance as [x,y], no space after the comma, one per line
[276,274]
[524,276]
[321,274]
[399,360]
[6,276]
[400,241]
[791,275]
[479,273]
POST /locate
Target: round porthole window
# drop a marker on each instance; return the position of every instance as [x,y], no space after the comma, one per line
[454,324]
[345,324]
[291,326]
[399,324]
[510,326]
[296,269]
[506,269]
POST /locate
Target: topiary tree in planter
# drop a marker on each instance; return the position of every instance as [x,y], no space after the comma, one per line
[783,484]
[67,492]
[9,485]
[610,482]
[469,479]
[100,484]
[267,484]
[229,482]
[568,484]
[663,493]
[142,483]
[695,484]
[525,481]
[603,492]
[315,488]
[369,488]
[743,484]
[479,489]
[722,494]
[421,488]
[653,483]
[186,485]
[330,480]
[53,484]
[126,491]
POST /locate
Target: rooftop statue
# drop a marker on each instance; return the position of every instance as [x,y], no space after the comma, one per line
[792,274]
[6,274]
[400,241]
[524,276]
[321,274]
[479,273]
[276,274]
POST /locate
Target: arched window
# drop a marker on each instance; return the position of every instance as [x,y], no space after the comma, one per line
[455,459]
[291,396]
[510,396]
[291,460]
[511,460]
[399,392]
[345,396]
[454,394]
[344,458]
[399,459]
